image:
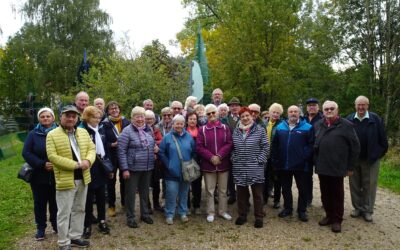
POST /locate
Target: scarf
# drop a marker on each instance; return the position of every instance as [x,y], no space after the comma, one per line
[98,142]
[117,122]
[270,126]
[142,135]
[45,130]
[245,129]
[329,122]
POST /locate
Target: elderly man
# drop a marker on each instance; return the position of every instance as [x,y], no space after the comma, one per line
[371,134]
[149,105]
[72,152]
[100,104]
[255,110]
[176,107]
[81,101]
[217,97]
[291,153]
[336,150]
[312,116]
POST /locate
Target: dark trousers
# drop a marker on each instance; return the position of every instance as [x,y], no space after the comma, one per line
[269,180]
[99,193]
[195,187]
[332,196]
[155,184]
[43,194]
[231,186]
[243,196]
[277,187]
[309,186]
[286,178]
[111,189]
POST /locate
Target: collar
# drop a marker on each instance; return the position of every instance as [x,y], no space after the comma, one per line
[366,116]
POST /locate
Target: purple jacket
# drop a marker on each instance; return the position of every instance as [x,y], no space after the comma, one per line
[214,138]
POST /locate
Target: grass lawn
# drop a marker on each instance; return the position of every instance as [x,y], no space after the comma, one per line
[16,203]
[389,173]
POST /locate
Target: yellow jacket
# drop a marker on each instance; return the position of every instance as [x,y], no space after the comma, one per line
[59,153]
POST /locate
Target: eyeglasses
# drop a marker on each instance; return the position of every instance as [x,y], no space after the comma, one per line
[254,112]
[211,113]
[329,109]
[176,108]
[166,115]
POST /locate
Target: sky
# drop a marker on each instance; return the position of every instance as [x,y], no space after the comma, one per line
[142,20]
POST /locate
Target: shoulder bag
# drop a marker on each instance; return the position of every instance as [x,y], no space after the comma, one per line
[190,169]
[25,173]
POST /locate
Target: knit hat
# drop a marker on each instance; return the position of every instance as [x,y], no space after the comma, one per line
[44,110]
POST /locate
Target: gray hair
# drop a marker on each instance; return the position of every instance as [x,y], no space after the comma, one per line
[276,106]
[178,118]
[176,103]
[189,99]
[210,107]
[361,98]
[166,110]
[223,106]
[146,101]
[149,114]
[329,102]
[217,90]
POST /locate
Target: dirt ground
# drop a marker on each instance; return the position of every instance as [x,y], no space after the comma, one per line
[288,233]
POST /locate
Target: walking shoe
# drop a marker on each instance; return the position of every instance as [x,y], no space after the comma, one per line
[303,217]
[325,222]
[80,243]
[184,218]
[276,205]
[210,218]
[87,232]
[367,217]
[40,235]
[336,227]
[241,220]
[147,220]
[132,224]
[226,216]
[103,227]
[159,208]
[285,213]
[111,212]
[231,200]
[355,213]
[169,221]
[66,247]
[258,223]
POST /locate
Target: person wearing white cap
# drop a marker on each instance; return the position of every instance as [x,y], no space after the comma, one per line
[42,183]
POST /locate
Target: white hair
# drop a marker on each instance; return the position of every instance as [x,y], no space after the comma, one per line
[330,102]
[178,118]
[210,107]
[189,99]
[176,103]
[149,114]
[360,99]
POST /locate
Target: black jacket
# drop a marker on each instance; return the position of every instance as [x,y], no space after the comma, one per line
[112,136]
[377,139]
[336,148]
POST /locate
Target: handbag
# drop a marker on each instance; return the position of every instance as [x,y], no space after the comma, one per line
[106,164]
[25,173]
[190,169]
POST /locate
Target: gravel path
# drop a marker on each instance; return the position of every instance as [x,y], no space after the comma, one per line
[288,233]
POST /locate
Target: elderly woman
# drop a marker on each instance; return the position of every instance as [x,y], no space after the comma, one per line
[42,183]
[250,149]
[176,188]
[150,119]
[165,124]
[214,145]
[136,147]
[201,114]
[113,125]
[271,177]
[190,102]
[91,118]
[223,111]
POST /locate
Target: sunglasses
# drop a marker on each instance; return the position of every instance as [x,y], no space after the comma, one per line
[254,112]
[329,109]
[166,115]
[211,113]
[176,108]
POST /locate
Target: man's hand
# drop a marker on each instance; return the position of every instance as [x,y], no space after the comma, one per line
[85,164]
[126,174]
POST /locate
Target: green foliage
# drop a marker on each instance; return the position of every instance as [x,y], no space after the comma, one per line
[389,174]
[16,203]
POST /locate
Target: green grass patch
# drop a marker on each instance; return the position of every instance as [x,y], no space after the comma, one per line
[16,203]
[389,175]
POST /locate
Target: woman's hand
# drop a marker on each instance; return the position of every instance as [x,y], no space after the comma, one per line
[156,149]
[48,166]
[114,144]
[110,175]
[126,174]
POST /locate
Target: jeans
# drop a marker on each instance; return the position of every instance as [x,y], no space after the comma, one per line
[176,191]
[43,194]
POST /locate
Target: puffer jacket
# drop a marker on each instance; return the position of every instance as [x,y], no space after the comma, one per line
[214,138]
[60,153]
[249,156]
[168,153]
[132,154]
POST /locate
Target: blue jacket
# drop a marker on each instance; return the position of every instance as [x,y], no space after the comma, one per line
[377,140]
[169,154]
[34,153]
[292,149]
[132,154]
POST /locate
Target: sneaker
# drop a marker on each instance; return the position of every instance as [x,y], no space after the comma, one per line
[67,247]
[258,223]
[184,218]
[87,232]
[285,213]
[147,220]
[210,218]
[80,243]
[132,224]
[103,227]
[303,217]
[226,216]
[111,212]
[169,221]
[325,222]
[367,217]
[241,220]
[39,235]
[355,213]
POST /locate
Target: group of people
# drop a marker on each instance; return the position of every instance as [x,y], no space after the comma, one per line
[239,148]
